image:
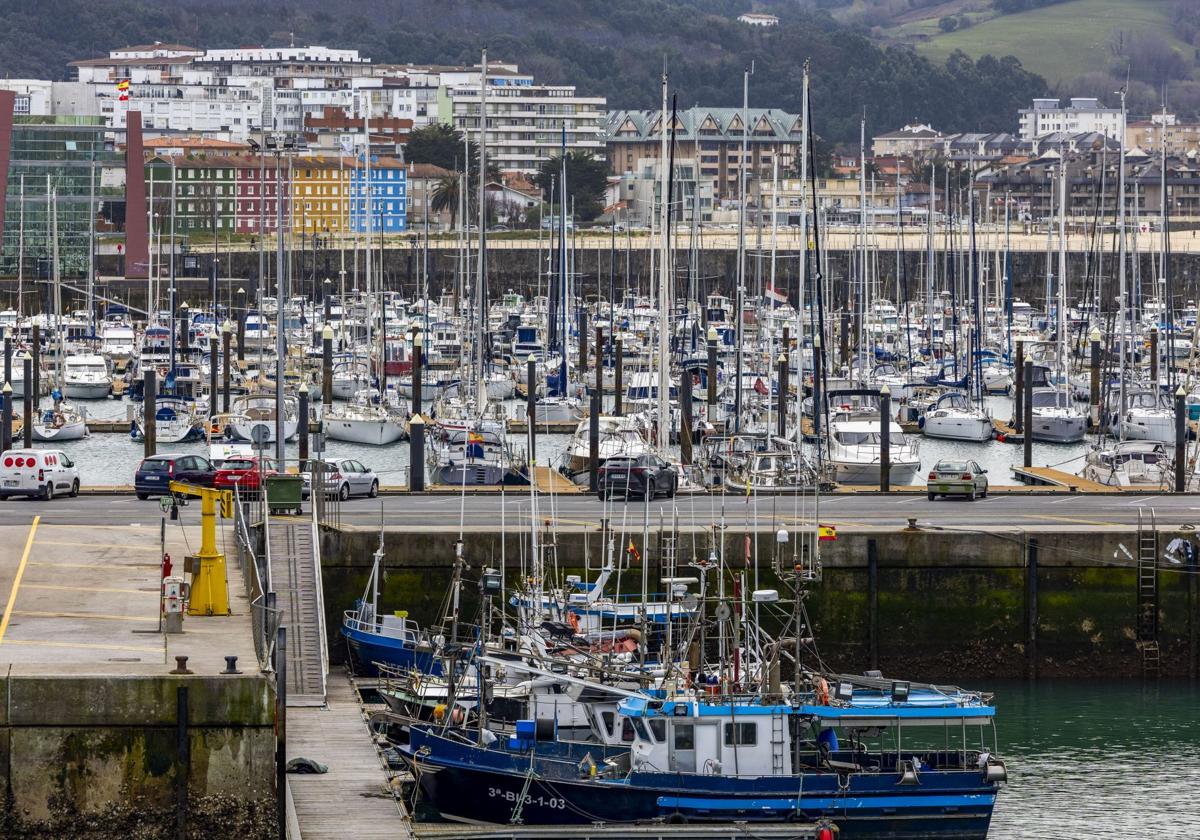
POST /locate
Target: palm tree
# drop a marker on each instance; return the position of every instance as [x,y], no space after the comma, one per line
[445,196]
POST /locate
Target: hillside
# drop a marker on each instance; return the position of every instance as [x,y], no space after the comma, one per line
[1081,47]
[615,48]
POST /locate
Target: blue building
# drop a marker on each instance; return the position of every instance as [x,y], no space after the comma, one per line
[386,206]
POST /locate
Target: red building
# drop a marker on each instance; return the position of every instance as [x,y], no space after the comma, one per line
[257,198]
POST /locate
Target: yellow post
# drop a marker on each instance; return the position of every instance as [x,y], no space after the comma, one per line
[209,591]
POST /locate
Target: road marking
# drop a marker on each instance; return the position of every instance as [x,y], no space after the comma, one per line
[1071,520]
[83,645]
[59,588]
[1140,501]
[910,501]
[100,616]
[12,596]
[117,546]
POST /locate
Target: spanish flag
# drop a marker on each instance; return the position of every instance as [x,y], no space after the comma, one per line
[633,552]
[123,90]
[827,533]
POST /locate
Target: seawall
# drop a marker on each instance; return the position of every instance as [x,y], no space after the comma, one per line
[930,604]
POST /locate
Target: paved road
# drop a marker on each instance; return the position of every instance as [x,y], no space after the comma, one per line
[1051,512]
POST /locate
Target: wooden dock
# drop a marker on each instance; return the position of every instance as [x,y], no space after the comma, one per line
[354,799]
[552,481]
[1057,478]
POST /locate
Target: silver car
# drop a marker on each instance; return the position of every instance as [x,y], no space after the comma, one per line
[957,478]
[344,477]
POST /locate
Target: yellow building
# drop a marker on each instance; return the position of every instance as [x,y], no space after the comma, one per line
[321,194]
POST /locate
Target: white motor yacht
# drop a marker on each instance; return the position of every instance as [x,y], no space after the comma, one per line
[86,377]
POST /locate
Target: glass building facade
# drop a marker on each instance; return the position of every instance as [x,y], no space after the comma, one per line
[73,160]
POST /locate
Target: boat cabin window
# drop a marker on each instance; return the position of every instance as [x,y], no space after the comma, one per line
[606,720]
[685,736]
[1050,399]
[642,732]
[626,730]
[659,727]
[743,734]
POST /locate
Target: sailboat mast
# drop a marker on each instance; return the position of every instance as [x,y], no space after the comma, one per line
[481,263]
[664,362]
[1121,301]
[803,267]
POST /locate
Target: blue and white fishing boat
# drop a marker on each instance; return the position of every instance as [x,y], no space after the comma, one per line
[878,758]
[393,641]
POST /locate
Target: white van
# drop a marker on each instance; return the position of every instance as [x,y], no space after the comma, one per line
[44,473]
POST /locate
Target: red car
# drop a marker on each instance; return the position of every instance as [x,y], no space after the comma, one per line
[243,473]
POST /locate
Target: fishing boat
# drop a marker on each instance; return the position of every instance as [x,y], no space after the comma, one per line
[393,641]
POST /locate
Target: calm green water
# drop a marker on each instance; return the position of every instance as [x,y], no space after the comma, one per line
[1098,760]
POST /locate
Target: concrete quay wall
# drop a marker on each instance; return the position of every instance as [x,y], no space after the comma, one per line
[931,604]
[105,756]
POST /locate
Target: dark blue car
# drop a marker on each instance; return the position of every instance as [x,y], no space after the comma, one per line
[155,474]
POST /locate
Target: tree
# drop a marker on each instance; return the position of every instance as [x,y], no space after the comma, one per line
[948,24]
[442,145]
[445,197]
[587,178]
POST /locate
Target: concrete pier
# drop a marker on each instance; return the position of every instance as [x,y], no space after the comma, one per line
[97,736]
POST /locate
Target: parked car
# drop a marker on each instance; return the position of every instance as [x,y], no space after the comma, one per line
[957,478]
[155,474]
[640,477]
[245,474]
[37,472]
[344,478]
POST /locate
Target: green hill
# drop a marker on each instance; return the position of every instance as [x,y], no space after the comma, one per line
[1061,42]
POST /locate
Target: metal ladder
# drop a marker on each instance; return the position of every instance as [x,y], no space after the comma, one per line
[1147,592]
[777,745]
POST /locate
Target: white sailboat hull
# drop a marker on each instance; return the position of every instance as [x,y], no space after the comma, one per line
[68,431]
[371,432]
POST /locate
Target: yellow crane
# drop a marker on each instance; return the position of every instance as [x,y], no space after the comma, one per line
[210,587]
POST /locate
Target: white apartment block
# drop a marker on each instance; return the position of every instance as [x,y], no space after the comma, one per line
[1083,115]
[525,122]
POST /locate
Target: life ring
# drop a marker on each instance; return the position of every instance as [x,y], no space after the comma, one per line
[822,692]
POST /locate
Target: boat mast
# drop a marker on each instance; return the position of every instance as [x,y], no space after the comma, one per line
[21,252]
[481,263]
[664,362]
[803,267]
[1062,268]
[741,246]
[1124,337]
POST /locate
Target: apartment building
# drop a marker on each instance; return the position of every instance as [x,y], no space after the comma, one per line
[1082,115]
[712,136]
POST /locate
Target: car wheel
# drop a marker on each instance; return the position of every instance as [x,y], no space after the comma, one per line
[3,498]
[143,497]
[983,493]
[374,491]
[344,492]
[48,491]
[74,488]
[932,496]
[971,495]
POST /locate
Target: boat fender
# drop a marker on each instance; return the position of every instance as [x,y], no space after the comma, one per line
[573,620]
[439,711]
[822,692]
[921,423]
[826,833]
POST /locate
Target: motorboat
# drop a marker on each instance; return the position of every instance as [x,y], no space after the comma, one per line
[855,448]
[86,377]
[253,417]
[621,436]
[953,417]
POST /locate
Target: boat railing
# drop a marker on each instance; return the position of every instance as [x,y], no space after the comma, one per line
[264,617]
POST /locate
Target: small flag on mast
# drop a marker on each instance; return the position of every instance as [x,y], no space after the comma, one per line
[827,533]
[123,90]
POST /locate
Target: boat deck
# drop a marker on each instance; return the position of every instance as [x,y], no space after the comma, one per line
[354,799]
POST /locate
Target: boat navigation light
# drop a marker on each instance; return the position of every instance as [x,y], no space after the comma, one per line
[900,691]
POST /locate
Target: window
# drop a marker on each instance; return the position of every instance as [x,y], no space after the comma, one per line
[743,734]
[685,736]
[606,720]
[626,730]
[659,727]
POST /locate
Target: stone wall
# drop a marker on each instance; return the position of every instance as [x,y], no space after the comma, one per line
[947,604]
[100,756]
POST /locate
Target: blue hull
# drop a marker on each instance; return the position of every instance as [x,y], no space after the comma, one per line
[945,805]
[369,648]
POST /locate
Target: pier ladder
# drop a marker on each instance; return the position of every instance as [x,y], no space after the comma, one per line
[1147,592]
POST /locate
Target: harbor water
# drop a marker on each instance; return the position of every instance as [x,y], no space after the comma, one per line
[110,458]
[1102,760]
